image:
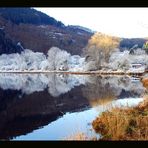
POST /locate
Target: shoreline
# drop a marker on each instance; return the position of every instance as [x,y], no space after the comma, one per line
[80,73]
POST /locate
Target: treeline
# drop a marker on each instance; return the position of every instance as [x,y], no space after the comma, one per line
[28,16]
[7,46]
[104,52]
[130,43]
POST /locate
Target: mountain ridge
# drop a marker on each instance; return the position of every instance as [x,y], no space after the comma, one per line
[42,34]
[39,32]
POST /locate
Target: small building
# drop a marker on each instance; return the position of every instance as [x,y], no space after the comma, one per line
[136,65]
[137,68]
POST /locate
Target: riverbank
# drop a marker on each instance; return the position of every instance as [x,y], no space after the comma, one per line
[130,123]
[123,124]
[120,124]
[81,72]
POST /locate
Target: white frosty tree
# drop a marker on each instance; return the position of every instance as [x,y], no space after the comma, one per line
[57,59]
[119,60]
[32,59]
[12,62]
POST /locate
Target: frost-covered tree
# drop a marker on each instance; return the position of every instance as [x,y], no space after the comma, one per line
[32,59]
[52,52]
[76,63]
[124,60]
[119,61]
[139,51]
[90,66]
[57,59]
[99,48]
[61,60]
[44,65]
[27,60]
[12,62]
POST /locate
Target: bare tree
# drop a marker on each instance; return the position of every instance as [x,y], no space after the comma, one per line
[100,47]
[52,52]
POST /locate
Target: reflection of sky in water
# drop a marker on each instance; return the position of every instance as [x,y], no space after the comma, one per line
[73,123]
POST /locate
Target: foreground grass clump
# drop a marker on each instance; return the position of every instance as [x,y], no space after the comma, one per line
[124,124]
[79,136]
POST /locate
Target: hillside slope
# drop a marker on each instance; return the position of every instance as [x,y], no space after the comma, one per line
[39,32]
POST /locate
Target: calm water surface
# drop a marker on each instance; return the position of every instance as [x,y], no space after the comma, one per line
[55,107]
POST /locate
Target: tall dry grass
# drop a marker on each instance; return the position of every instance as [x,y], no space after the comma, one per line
[124,124]
[77,137]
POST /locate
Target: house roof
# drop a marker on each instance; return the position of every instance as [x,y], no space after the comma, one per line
[137,63]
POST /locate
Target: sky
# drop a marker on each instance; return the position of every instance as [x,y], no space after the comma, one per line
[121,22]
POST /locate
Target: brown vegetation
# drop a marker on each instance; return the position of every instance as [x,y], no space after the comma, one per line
[124,124]
[81,137]
[145,82]
[100,47]
[78,136]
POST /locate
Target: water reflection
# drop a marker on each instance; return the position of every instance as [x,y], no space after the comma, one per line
[56,84]
[103,89]
[31,101]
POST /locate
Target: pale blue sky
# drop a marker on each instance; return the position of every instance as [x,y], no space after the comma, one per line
[122,22]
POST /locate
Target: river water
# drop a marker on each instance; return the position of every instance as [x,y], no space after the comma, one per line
[57,106]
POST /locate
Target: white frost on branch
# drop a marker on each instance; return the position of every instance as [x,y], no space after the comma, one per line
[32,59]
[58,59]
[124,61]
[76,63]
[61,60]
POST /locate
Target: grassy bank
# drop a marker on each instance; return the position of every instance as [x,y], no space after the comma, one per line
[123,124]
